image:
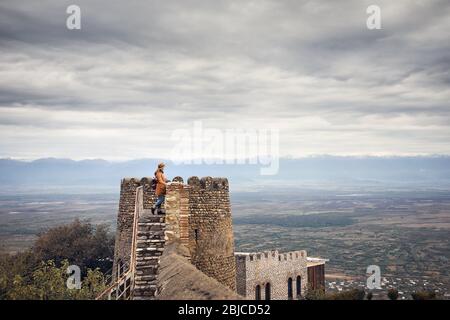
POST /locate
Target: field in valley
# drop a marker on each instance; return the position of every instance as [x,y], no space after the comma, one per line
[406,233]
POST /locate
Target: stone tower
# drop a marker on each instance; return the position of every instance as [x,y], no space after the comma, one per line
[211,241]
[198,216]
[125,217]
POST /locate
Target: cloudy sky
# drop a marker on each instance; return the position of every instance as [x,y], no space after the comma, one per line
[138,70]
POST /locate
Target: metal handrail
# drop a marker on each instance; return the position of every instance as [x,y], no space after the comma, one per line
[129,274]
[120,279]
[119,282]
[109,279]
[138,205]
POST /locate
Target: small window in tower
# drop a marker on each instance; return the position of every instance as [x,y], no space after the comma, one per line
[299,286]
[290,294]
[268,293]
[196,235]
[258,292]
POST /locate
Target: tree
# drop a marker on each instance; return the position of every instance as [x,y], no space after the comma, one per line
[40,273]
[392,294]
[20,264]
[424,295]
[48,282]
[80,243]
[315,294]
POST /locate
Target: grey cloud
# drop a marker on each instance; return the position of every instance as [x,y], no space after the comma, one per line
[296,64]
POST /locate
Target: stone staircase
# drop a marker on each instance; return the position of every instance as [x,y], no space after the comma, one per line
[139,280]
[149,248]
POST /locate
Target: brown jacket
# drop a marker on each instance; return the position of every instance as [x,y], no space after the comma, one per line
[161,183]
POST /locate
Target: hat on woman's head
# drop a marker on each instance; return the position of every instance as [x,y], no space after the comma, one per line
[161,165]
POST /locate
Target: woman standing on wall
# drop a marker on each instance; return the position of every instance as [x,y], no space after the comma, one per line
[160,191]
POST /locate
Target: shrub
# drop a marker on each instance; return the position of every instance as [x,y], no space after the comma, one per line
[20,264]
[392,294]
[81,243]
[424,295]
[40,273]
[48,282]
[352,294]
[315,294]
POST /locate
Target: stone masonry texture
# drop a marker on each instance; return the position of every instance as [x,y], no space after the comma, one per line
[211,241]
[198,215]
[125,216]
[272,269]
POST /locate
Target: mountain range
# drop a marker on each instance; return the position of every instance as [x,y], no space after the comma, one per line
[430,171]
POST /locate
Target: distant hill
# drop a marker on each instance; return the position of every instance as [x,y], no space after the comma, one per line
[418,171]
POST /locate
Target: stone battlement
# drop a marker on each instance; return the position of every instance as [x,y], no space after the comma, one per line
[274,255]
[208,183]
[205,183]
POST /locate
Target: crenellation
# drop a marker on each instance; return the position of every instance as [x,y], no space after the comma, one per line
[194,181]
[178,179]
[206,183]
[209,183]
[146,180]
[130,180]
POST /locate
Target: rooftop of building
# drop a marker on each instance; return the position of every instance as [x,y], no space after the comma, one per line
[314,261]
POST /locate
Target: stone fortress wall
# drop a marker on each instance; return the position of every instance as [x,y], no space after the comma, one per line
[198,215]
[271,271]
[125,217]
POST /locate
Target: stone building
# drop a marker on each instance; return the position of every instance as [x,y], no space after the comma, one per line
[279,276]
